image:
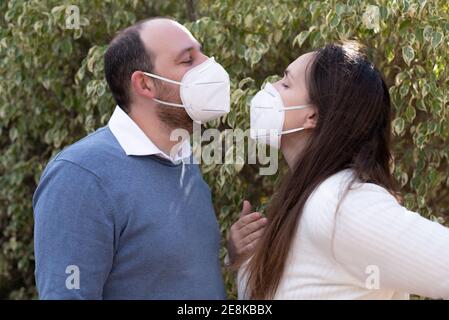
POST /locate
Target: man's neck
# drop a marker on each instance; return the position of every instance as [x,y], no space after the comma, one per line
[154,129]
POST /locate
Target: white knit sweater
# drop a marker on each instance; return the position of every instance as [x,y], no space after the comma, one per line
[379,250]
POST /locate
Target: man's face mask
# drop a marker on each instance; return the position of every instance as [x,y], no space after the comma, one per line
[204,91]
[267,115]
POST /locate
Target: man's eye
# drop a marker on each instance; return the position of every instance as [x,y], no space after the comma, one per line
[188,61]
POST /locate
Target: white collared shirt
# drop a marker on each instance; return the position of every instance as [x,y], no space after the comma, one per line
[136,143]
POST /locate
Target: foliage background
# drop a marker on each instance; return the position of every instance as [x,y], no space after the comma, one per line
[53,92]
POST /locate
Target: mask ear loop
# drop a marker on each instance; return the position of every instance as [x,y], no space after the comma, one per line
[170,104]
[281,133]
[290,131]
[152,75]
[293,108]
[296,107]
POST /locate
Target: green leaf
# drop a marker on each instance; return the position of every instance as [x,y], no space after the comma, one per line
[340,9]
[404,89]
[398,126]
[335,21]
[301,38]
[410,113]
[408,54]
[437,38]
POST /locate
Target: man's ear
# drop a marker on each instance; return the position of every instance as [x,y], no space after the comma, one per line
[142,85]
[312,118]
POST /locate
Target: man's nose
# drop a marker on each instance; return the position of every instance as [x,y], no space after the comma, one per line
[202,57]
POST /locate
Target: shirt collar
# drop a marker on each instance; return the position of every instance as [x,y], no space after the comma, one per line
[136,143]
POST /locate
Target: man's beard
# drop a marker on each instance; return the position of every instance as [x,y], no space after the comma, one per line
[172,117]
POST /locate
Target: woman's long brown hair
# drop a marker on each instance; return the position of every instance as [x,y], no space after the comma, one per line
[352,131]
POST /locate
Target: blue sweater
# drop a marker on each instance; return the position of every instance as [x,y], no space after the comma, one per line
[112,226]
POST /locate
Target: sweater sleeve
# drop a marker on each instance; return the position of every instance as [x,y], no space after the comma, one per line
[375,234]
[73,233]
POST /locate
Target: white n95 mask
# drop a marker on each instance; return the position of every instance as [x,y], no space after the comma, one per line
[204,90]
[267,116]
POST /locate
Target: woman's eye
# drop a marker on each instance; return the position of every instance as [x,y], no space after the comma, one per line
[285,86]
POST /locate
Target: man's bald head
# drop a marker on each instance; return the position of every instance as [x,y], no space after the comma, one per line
[125,54]
[131,50]
[158,46]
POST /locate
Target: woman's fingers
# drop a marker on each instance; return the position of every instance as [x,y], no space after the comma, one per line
[253,226]
[246,209]
[245,231]
[247,219]
[253,237]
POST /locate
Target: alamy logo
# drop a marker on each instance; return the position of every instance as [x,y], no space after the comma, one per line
[72,20]
[72,282]
[228,144]
[372,282]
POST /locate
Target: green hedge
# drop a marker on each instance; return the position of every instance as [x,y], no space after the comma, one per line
[53,92]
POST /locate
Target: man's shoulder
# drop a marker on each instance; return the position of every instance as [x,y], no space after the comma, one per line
[90,154]
[93,150]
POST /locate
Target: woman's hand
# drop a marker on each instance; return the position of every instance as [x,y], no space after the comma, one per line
[245,233]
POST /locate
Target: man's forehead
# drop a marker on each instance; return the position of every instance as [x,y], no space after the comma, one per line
[167,36]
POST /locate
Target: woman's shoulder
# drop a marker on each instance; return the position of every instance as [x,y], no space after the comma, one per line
[335,185]
[340,192]
[344,186]
[333,188]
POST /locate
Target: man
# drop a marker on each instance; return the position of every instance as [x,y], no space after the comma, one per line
[119,215]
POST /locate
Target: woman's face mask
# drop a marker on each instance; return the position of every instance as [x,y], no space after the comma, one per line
[271,108]
[267,116]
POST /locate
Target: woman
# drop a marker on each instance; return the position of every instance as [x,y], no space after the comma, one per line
[335,227]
